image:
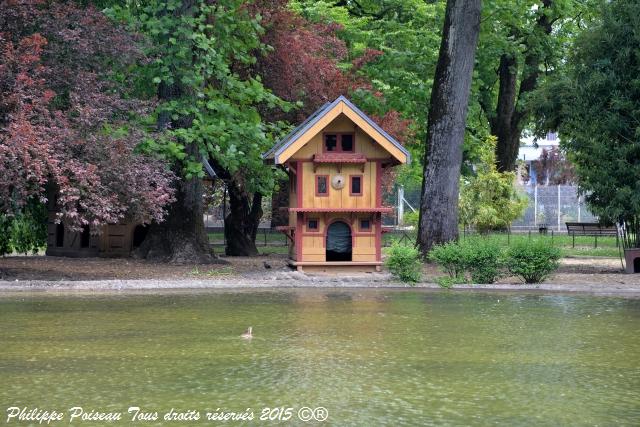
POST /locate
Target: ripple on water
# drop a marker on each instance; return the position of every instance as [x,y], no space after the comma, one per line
[370,358]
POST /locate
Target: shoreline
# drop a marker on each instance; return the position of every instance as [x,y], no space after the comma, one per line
[313,282]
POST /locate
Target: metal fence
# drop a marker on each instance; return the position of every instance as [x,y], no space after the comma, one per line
[551,206]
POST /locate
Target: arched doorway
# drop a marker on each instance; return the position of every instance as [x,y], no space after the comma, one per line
[338,242]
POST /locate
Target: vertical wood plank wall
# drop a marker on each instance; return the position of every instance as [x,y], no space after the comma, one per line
[310,244]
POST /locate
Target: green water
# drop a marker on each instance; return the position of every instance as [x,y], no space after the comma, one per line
[369,357]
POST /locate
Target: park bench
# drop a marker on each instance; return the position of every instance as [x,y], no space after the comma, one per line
[590,229]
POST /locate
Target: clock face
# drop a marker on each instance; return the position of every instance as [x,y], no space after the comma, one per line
[337,182]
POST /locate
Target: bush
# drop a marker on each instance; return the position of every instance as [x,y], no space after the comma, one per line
[448,282]
[482,259]
[404,263]
[451,257]
[533,261]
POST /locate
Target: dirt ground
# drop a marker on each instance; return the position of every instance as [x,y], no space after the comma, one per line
[571,271]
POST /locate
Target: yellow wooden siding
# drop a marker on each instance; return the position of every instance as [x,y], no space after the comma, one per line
[341,198]
[301,146]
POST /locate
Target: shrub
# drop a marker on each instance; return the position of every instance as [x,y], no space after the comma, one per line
[404,263]
[484,260]
[448,282]
[451,257]
[533,261]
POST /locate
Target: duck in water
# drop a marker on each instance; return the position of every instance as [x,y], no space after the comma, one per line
[247,334]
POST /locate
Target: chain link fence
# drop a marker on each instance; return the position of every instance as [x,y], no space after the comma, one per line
[549,206]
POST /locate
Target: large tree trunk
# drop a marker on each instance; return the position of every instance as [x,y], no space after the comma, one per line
[242,221]
[446,126]
[181,238]
[241,224]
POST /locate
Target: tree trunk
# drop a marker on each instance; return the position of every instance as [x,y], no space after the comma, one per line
[241,224]
[242,221]
[446,124]
[181,238]
[509,116]
[279,200]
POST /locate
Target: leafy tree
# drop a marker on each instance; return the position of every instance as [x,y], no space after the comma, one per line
[447,118]
[63,121]
[520,43]
[201,57]
[489,200]
[596,106]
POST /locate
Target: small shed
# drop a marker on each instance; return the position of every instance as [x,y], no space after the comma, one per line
[109,240]
[335,160]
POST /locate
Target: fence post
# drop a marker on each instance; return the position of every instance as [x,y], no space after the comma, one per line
[400,205]
[558,207]
[579,209]
[535,204]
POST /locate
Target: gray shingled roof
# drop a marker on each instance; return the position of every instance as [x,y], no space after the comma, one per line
[302,128]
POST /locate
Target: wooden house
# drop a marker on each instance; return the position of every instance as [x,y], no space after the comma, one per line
[110,240]
[335,160]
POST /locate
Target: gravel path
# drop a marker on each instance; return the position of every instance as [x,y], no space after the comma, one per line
[283,280]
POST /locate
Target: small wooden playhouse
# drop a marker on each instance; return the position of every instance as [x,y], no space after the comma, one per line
[335,160]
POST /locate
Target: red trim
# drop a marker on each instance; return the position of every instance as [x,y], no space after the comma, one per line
[351,193]
[384,209]
[326,177]
[379,237]
[298,236]
[339,142]
[378,184]
[299,187]
[326,230]
[390,160]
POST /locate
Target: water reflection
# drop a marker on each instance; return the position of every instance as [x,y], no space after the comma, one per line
[371,357]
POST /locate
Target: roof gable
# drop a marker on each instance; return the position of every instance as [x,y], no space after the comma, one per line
[298,137]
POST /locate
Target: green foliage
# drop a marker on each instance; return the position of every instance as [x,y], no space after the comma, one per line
[479,258]
[533,261]
[203,54]
[25,232]
[411,218]
[595,104]
[451,257]
[484,260]
[489,200]
[404,263]
[448,282]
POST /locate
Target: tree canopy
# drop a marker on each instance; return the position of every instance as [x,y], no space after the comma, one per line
[595,103]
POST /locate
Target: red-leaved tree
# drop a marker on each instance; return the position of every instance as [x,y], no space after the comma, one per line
[64,125]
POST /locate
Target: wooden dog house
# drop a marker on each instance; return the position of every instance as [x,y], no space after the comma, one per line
[335,160]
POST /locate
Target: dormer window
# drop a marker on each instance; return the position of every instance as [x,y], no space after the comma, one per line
[338,142]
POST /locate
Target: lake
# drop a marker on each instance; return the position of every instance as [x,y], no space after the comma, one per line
[369,357]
